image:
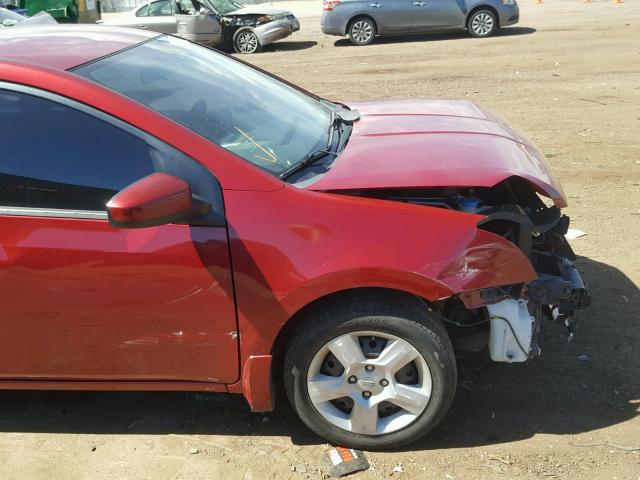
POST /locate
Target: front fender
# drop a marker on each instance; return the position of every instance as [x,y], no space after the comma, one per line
[291,247]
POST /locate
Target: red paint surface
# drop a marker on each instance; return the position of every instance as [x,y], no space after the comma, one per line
[291,247]
[154,308]
[67,46]
[83,300]
[156,195]
[436,143]
[256,383]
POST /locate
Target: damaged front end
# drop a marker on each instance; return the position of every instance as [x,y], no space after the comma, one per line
[509,318]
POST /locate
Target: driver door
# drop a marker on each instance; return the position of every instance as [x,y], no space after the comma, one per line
[82,300]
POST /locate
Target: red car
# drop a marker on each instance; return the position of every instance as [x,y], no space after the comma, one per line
[175,219]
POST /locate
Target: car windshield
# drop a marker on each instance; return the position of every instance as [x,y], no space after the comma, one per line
[224,6]
[249,113]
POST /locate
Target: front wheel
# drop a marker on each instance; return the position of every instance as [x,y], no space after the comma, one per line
[246,41]
[482,23]
[371,373]
[362,31]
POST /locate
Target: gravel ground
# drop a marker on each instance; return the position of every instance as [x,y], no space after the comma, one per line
[569,75]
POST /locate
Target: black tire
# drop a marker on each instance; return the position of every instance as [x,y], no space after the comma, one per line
[362,31]
[405,318]
[245,41]
[482,23]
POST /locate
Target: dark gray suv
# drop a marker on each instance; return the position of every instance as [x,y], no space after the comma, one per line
[363,20]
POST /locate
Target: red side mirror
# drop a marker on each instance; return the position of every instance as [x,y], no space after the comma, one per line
[157,199]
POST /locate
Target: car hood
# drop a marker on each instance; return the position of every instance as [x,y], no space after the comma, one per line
[259,10]
[435,143]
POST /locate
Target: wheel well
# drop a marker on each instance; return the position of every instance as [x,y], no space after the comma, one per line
[369,17]
[483,7]
[282,340]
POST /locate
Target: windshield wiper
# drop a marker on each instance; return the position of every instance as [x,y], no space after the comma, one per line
[315,155]
[305,162]
[339,116]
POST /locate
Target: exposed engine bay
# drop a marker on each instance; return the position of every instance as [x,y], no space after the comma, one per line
[508,319]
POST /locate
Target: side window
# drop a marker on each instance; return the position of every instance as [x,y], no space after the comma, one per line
[185,7]
[54,156]
[143,11]
[59,157]
[160,8]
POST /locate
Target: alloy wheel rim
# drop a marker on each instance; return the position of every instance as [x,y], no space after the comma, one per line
[247,42]
[482,23]
[369,383]
[362,31]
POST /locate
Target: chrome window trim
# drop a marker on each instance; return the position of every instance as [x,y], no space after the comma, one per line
[53,213]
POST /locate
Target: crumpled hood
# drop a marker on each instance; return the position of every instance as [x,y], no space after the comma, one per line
[436,143]
[260,10]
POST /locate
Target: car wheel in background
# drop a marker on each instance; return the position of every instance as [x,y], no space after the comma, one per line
[246,41]
[362,31]
[371,372]
[482,23]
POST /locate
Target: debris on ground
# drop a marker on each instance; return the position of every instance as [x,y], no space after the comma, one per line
[344,461]
[301,468]
[194,451]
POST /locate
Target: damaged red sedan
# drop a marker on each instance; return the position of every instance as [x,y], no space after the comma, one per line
[174,219]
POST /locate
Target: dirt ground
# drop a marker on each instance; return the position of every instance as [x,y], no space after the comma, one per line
[569,75]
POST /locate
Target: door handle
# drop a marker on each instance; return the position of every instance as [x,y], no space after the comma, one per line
[419,4]
[142,26]
[376,5]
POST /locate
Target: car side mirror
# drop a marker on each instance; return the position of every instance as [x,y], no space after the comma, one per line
[156,199]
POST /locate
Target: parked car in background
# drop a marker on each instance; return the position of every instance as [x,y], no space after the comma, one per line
[213,22]
[188,222]
[363,20]
[9,18]
[13,6]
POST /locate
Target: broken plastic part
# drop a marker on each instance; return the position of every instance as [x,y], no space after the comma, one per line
[511,331]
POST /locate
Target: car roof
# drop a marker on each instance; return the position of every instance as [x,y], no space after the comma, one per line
[66,46]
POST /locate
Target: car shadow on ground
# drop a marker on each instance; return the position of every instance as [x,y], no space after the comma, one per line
[495,403]
[434,37]
[285,46]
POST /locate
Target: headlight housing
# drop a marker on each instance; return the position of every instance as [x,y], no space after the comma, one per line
[508,2]
[265,19]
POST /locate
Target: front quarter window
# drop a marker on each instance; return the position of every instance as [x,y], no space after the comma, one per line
[143,11]
[253,115]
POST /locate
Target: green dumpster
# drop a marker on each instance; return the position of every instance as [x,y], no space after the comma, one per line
[65,11]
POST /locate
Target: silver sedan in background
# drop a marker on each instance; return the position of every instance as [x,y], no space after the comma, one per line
[362,20]
[213,22]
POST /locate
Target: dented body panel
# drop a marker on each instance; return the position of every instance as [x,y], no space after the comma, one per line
[292,247]
[436,143]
